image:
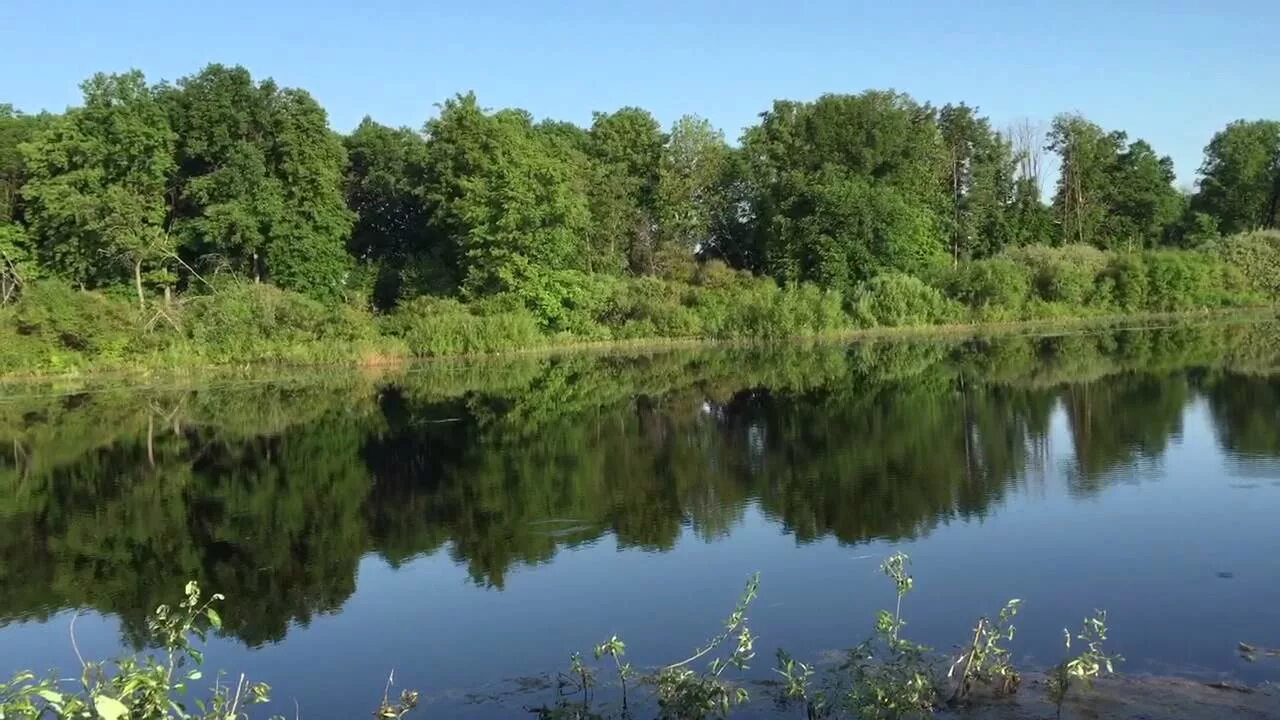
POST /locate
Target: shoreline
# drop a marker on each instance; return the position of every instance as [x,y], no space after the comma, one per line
[144,372]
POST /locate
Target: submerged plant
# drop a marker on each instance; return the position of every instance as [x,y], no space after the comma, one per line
[797,680]
[1083,669]
[985,661]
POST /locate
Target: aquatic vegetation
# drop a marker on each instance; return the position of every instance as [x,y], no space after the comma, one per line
[986,661]
[156,686]
[147,687]
[1082,669]
[888,675]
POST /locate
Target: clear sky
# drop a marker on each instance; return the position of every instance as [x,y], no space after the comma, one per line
[1169,71]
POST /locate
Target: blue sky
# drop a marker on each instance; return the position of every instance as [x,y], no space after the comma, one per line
[1171,71]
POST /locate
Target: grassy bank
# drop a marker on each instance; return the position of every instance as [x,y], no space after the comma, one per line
[53,329]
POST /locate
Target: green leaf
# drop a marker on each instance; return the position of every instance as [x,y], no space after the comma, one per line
[50,696]
[109,708]
[214,618]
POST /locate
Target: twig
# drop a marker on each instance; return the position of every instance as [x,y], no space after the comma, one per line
[74,645]
[235,702]
[386,691]
[192,270]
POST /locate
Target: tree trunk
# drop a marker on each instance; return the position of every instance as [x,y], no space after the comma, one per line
[137,283]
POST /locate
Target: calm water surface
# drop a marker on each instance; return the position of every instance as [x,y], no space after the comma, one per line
[469,525]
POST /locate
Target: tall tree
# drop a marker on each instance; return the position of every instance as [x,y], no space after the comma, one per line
[1032,219]
[17,254]
[1111,193]
[980,183]
[1146,206]
[260,182]
[847,187]
[626,150]
[688,191]
[1088,156]
[391,237]
[98,178]
[1240,177]
[226,198]
[459,146]
[307,250]
[508,198]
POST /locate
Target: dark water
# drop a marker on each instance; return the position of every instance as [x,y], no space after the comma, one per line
[469,525]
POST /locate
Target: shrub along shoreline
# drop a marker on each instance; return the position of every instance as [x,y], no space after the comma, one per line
[54,329]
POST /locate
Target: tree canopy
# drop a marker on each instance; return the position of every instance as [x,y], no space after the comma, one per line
[159,188]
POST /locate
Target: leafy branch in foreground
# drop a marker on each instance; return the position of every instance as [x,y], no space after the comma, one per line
[686,694]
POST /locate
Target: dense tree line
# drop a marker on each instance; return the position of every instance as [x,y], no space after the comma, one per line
[166,188]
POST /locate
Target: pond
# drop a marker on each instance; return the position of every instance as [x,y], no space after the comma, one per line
[468,525]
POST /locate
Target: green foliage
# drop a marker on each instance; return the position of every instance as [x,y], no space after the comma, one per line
[96,188]
[981,185]
[436,326]
[890,676]
[156,686]
[241,321]
[1091,663]
[619,231]
[1256,256]
[1062,275]
[1125,281]
[691,168]
[392,235]
[985,660]
[66,323]
[846,187]
[1188,281]
[259,181]
[685,694]
[521,216]
[897,299]
[994,288]
[1240,177]
[152,687]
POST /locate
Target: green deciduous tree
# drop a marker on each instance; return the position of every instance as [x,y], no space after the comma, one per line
[1145,205]
[689,196]
[1240,183]
[260,181]
[980,184]
[391,236]
[1111,193]
[307,251]
[847,187]
[626,148]
[513,208]
[97,183]
[1088,158]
